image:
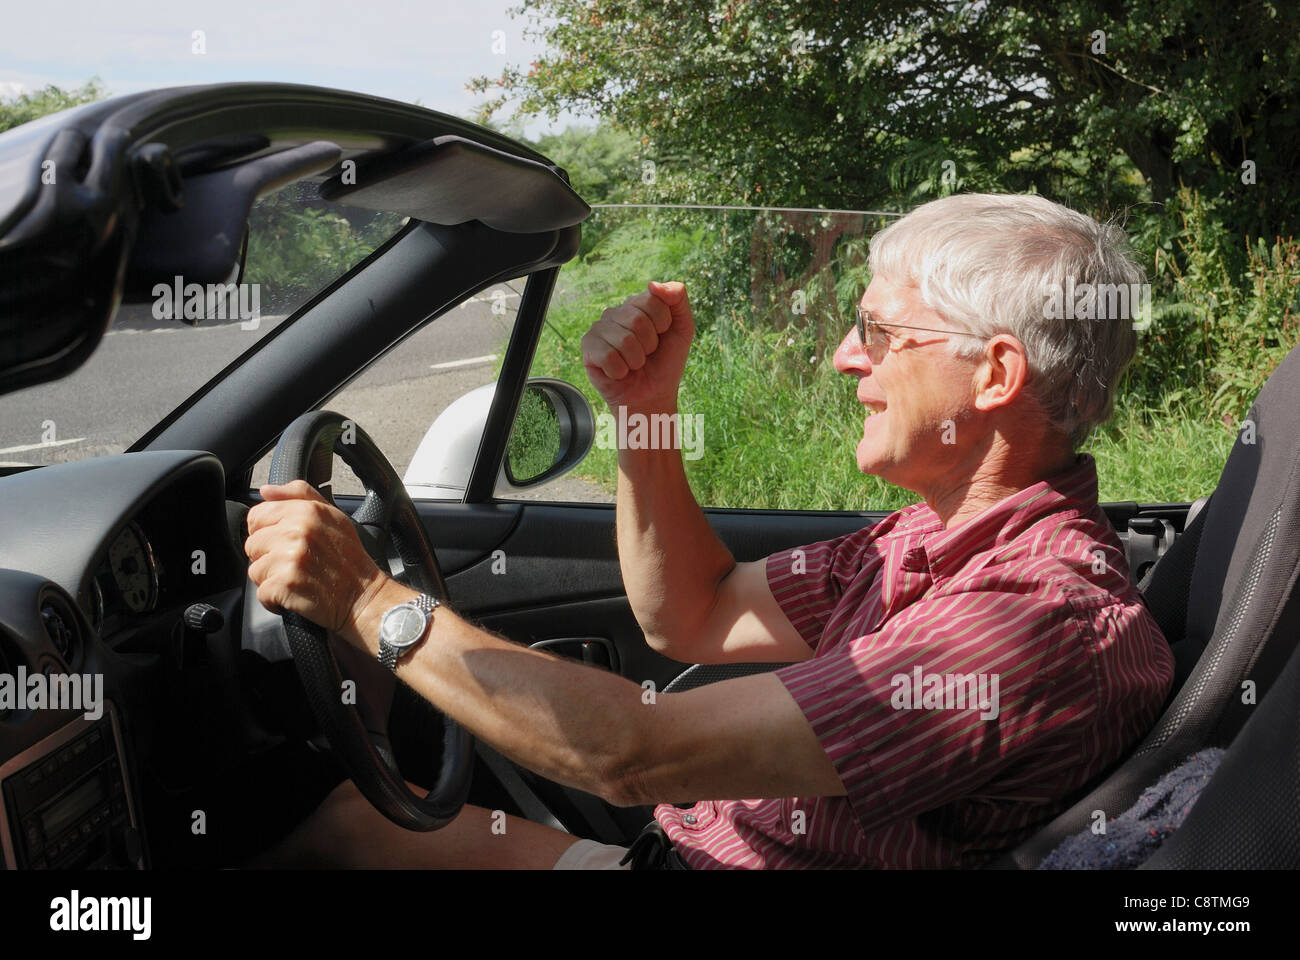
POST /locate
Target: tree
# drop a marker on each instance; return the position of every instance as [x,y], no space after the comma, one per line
[864,103]
[601,161]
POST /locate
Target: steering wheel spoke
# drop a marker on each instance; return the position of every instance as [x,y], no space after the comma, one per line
[390,529]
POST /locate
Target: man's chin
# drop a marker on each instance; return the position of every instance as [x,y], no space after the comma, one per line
[875,462]
[869,461]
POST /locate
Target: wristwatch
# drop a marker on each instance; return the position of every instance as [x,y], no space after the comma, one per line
[403,626]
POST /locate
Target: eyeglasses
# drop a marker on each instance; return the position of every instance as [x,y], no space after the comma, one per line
[876,340]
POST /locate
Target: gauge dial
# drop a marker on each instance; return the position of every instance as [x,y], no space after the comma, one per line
[134,570]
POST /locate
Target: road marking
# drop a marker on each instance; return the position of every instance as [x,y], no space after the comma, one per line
[497,295]
[37,446]
[467,362]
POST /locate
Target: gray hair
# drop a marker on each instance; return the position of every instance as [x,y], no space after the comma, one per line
[987,263]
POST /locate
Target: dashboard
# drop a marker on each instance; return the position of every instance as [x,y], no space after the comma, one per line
[100,563]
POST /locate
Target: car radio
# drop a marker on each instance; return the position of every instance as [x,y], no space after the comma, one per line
[66,802]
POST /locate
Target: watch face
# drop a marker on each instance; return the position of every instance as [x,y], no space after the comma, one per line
[403,625]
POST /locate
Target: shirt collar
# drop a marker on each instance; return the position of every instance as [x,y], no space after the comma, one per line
[1073,492]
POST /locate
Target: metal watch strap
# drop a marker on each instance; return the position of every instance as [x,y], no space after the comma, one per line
[388,653]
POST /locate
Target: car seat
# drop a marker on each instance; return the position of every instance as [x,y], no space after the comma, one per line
[1224,595]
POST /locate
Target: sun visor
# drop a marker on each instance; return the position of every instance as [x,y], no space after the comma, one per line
[450,180]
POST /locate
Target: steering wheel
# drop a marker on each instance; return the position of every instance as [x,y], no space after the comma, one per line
[391,531]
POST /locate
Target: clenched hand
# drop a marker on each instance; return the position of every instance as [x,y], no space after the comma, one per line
[635,354]
[308,559]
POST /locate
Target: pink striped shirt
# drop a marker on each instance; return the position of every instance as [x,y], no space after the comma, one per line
[963,683]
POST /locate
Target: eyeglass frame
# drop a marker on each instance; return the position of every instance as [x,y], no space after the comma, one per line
[865,323]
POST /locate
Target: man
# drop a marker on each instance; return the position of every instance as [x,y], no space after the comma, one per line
[956,670]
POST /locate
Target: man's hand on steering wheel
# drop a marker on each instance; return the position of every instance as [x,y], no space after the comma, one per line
[324,572]
[307,558]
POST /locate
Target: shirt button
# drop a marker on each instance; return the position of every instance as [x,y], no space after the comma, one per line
[688,819]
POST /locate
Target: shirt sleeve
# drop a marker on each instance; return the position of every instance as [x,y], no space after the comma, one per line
[949,695]
[808,581]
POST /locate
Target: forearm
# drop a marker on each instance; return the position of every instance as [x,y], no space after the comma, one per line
[672,561]
[574,724]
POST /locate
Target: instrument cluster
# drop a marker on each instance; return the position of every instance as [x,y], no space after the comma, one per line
[129,582]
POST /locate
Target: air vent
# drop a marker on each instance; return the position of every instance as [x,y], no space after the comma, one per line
[61,626]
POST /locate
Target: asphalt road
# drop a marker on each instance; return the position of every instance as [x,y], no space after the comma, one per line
[145,367]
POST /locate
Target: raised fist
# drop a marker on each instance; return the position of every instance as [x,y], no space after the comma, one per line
[635,353]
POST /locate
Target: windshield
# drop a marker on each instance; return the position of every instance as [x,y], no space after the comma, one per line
[149,363]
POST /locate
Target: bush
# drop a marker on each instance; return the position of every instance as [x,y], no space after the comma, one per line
[1223,317]
[298,244]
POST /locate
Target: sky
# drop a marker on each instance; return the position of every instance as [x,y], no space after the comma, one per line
[410,51]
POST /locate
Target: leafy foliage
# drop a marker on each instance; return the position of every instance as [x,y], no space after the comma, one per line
[298,243]
[1169,116]
[856,103]
[25,107]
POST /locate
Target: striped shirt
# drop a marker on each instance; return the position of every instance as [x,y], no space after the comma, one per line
[964,682]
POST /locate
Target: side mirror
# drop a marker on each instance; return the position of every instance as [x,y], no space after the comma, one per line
[554,429]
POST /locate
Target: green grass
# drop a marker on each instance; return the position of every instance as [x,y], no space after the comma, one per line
[1170,455]
[781,425]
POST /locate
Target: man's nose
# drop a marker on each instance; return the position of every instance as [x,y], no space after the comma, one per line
[851,355]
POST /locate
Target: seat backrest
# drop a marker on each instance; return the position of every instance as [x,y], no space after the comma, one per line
[1243,580]
[1246,816]
[1167,590]
[1240,602]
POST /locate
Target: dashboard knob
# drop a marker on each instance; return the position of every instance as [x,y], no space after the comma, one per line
[203,618]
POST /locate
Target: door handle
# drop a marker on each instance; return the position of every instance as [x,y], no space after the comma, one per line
[597,651]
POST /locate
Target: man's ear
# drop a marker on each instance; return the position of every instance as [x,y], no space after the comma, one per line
[1002,373]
